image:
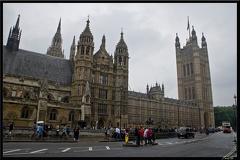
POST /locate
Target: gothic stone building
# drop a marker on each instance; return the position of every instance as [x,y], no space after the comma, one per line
[91,89]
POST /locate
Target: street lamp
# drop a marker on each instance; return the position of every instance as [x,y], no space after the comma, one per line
[121,88]
[235,115]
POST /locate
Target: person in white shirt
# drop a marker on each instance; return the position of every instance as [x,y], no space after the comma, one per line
[118,137]
[145,136]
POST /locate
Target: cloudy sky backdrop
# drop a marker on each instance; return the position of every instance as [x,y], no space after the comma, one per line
[149,32]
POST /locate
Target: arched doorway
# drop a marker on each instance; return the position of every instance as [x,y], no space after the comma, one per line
[100,123]
[206,120]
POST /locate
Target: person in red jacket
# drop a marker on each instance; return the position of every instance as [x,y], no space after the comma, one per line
[149,135]
[141,132]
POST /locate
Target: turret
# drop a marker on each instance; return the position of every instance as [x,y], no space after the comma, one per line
[204,43]
[14,37]
[56,47]
[72,53]
[121,54]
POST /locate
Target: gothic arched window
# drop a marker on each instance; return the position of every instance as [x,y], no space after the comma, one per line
[53,114]
[87,51]
[71,116]
[120,60]
[82,50]
[25,112]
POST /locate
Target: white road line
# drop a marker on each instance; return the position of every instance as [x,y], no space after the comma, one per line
[12,151]
[38,150]
[169,143]
[90,148]
[66,149]
[107,147]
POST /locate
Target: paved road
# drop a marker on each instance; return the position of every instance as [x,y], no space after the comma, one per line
[215,145]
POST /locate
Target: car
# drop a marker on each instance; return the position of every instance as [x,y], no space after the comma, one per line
[185,132]
[211,129]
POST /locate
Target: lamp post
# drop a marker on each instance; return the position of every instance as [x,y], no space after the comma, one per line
[235,115]
[121,88]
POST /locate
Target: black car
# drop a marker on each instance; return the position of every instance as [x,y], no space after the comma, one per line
[185,132]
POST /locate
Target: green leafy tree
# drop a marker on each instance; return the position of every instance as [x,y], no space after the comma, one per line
[225,113]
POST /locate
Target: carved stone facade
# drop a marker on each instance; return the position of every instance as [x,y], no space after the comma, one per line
[92,88]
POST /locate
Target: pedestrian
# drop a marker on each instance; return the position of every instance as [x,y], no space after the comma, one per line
[76,133]
[46,130]
[34,129]
[137,136]
[68,131]
[39,131]
[106,135]
[145,136]
[141,132]
[118,137]
[11,127]
[149,135]
[50,128]
[64,132]
[57,131]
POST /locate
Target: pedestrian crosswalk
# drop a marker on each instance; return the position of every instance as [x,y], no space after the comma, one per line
[69,149]
[9,152]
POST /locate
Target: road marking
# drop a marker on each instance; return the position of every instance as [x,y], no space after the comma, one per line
[38,150]
[169,143]
[12,151]
[90,148]
[66,149]
[107,147]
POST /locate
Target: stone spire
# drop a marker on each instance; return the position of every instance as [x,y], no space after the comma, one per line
[56,47]
[14,37]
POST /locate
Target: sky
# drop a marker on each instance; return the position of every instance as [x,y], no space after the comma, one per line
[149,32]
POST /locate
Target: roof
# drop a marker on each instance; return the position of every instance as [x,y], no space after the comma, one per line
[30,64]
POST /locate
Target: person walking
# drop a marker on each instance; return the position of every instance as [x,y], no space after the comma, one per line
[76,133]
[145,136]
[64,132]
[50,128]
[11,127]
[149,135]
[118,137]
[68,131]
[39,132]
[141,132]
[137,135]
[106,135]
[57,131]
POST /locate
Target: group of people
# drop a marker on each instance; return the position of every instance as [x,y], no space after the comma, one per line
[146,134]
[43,131]
[66,132]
